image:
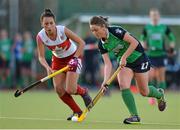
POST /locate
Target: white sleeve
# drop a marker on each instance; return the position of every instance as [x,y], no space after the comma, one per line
[61,29]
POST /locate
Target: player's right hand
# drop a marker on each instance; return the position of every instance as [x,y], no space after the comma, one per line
[49,70]
[123,61]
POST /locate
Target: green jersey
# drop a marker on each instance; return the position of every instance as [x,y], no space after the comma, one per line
[115,44]
[29,47]
[154,35]
[5,48]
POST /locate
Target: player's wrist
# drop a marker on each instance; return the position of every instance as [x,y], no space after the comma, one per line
[171,50]
[75,57]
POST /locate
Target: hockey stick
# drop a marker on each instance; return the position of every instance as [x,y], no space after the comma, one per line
[99,95]
[19,92]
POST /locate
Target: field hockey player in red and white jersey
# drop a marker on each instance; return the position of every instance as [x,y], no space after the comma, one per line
[67,49]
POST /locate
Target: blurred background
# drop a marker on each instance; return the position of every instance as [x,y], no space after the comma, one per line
[19,24]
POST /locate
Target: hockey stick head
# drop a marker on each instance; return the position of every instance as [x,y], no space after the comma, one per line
[83,115]
[18,93]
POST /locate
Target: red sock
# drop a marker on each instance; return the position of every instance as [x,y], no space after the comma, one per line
[80,90]
[67,99]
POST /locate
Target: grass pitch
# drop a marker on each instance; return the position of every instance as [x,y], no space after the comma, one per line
[43,110]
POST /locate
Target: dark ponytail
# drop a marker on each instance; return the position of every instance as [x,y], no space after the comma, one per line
[47,13]
[99,21]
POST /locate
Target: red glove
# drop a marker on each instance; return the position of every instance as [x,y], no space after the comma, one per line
[73,64]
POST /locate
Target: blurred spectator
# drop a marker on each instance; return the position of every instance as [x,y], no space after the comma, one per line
[5,56]
[172,71]
[18,55]
[91,62]
[28,54]
[153,39]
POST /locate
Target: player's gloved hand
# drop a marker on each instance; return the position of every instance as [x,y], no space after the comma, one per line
[73,64]
[104,87]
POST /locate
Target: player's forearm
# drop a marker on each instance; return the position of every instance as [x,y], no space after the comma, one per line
[80,49]
[78,40]
[144,44]
[43,62]
[107,71]
[172,45]
[133,44]
[130,49]
[171,37]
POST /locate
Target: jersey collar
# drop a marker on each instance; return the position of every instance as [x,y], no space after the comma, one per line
[156,24]
[107,31]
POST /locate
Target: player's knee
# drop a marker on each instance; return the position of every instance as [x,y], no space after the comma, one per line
[123,86]
[70,91]
[59,91]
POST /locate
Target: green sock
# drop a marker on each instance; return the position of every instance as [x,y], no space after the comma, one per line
[162,85]
[153,92]
[129,101]
[152,82]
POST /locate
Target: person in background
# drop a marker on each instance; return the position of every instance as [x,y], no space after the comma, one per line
[67,49]
[153,40]
[90,60]
[5,58]
[131,57]
[18,54]
[28,54]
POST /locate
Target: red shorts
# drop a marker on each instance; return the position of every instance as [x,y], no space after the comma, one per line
[59,63]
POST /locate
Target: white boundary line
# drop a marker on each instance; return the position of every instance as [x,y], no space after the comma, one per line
[31,118]
[54,119]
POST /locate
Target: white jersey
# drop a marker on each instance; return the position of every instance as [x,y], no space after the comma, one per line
[61,47]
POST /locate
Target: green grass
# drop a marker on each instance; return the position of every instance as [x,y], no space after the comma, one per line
[43,110]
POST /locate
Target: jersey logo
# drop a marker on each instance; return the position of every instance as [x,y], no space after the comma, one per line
[118,48]
[118,30]
[156,36]
[59,50]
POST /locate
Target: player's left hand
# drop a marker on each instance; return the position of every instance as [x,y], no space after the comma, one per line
[73,64]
